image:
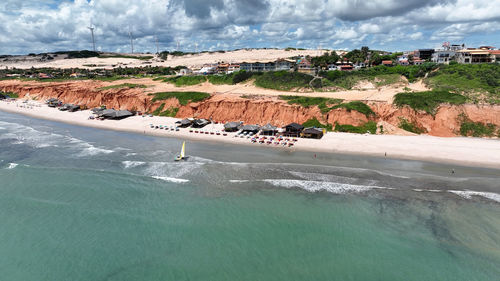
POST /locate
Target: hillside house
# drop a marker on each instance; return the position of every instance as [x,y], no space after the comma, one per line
[258,66]
[472,56]
[305,66]
[233,68]
[424,54]
[387,62]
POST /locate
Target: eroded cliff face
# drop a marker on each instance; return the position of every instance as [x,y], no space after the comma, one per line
[227,107]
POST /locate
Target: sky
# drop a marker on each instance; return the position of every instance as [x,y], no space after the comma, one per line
[36,26]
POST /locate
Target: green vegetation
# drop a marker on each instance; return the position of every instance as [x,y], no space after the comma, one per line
[230,79]
[428,101]
[410,126]
[357,106]
[368,127]
[183,97]
[322,103]
[10,94]
[382,75]
[125,85]
[80,54]
[476,129]
[469,79]
[170,112]
[126,57]
[180,81]
[159,109]
[325,59]
[283,80]
[315,123]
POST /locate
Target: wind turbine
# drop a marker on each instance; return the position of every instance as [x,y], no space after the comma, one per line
[196,47]
[156,40]
[131,41]
[178,43]
[91,28]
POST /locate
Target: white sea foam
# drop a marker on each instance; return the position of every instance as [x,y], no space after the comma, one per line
[467,194]
[132,164]
[315,186]
[238,181]
[90,150]
[12,166]
[130,154]
[176,180]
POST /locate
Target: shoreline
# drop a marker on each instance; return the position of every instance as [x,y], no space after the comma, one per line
[455,150]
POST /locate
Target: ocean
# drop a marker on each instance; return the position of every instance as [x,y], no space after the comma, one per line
[80,203]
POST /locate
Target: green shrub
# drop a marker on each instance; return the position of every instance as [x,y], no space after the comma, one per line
[368,127]
[159,109]
[322,103]
[428,101]
[170,112]
[180,81]
[283,80]
[410,126]
[315,123]
[357,106]
[183,97]
[476,129]
[467,78]
[10,94]
[125,85]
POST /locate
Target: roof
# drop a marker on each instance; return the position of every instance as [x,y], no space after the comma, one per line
[295,126]
[250,128]
[232,125]
[313,131]
[269,127]
[387,62]
[475,52]
[495,52]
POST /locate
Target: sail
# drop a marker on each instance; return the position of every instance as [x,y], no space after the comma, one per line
[183,149]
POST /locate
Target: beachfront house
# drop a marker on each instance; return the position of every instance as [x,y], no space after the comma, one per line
[232,126]
[184,123]
[313,133]
[447,53]
[293,130]
[250,128]
[284,64]
[268,130]
[495,56]
[200,123]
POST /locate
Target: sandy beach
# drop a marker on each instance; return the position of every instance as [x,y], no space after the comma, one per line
[458,150]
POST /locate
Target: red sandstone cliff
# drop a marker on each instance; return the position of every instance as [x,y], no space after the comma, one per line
[227,107]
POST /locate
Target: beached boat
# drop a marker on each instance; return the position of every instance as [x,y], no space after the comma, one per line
[182,156]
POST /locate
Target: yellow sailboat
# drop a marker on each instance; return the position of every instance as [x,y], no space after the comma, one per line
[182,156]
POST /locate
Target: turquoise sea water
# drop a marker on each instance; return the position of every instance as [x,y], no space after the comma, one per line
[84,204]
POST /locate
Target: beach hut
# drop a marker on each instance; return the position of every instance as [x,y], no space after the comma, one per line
[184,123]
[64,107]
[74,108]
[232,126]
[250,128]
[121,114]
[313,133]
[268,130]
[293,130]
[200,123]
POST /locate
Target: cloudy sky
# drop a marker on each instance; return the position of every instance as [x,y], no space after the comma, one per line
[51,25]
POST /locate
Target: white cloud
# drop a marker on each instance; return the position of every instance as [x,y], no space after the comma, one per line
[36,26]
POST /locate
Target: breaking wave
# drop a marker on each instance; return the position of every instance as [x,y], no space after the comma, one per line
[12,166]
[132,164]
[468,194]
[315,186]
[169,179]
